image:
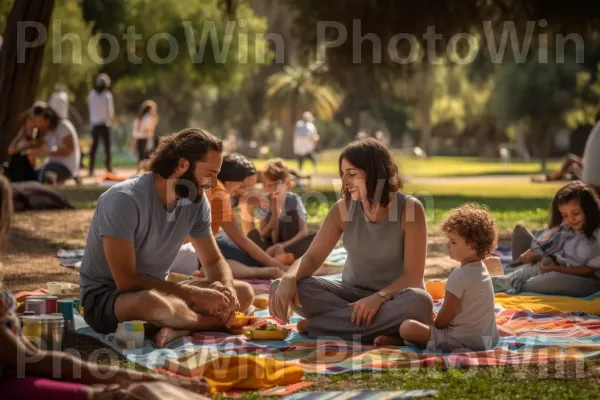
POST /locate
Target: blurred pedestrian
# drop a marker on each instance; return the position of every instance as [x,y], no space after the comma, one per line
[102,112]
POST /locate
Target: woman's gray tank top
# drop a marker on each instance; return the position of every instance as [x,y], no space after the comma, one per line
[375,251]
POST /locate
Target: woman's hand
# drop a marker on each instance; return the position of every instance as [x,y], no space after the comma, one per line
[364,310]
[281,300]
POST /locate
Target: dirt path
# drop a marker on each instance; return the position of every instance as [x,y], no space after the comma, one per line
[37,236]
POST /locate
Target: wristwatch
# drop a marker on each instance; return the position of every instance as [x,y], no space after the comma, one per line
[383,296]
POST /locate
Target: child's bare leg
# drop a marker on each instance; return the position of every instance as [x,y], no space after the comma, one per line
[415,332]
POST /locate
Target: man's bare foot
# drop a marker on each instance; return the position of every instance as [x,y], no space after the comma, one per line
[302,326]
[383,341]
[167,335]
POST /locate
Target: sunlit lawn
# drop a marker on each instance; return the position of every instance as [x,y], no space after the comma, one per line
[433,166]
[521,202]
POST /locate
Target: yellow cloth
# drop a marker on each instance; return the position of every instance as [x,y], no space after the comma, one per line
[249,372]
[548,304]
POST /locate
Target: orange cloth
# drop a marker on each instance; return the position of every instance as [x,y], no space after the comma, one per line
[221,210]
[250,373]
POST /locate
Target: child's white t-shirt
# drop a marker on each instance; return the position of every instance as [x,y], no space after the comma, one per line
[475,323]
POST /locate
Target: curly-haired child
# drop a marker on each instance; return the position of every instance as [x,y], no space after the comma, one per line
[467,319]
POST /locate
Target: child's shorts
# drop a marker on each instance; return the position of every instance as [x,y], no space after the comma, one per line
[440,339]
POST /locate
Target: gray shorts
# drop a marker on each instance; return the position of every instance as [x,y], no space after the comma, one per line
[440,339]
[99,308]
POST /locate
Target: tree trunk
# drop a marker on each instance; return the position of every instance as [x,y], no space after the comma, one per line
[546,140]
[424,104]
[286,149]
[19,80]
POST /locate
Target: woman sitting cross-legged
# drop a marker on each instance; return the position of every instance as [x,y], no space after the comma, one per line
[385,235]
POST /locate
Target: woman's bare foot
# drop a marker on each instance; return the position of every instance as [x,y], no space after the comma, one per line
[383,341]
[302,326]
[167,335]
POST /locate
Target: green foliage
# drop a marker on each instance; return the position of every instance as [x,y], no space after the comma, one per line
[214,56]
[299,88]
[68,63]
[535,90]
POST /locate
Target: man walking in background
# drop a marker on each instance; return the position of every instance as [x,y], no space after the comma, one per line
[305,140]
[102,112]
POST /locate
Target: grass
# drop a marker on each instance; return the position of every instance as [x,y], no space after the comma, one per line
[433,166]
[520,202]
[510,383]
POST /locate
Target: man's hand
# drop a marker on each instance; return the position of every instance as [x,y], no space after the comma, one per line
[207,301]
[227,315]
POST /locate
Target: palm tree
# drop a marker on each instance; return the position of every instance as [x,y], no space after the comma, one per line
[293,91]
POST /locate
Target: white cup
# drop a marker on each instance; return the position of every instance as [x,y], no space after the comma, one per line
[55,288]
[129,335]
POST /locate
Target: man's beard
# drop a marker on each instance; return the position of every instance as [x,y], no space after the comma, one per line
[184,185]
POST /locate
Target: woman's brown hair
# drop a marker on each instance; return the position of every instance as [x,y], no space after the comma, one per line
[382,177]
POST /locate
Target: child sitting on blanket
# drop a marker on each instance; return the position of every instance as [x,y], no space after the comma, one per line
[467,319]
[575,241]
[29,373]
[283,226]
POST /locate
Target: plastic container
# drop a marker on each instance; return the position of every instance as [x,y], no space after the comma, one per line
[38,306]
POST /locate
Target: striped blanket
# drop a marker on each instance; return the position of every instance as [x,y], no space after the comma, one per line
[526,338]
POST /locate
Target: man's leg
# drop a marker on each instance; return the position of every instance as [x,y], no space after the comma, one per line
[300,160]
[244,291]
[162,310]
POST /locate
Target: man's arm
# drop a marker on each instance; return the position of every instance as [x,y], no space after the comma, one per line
[120,255]
[214,265]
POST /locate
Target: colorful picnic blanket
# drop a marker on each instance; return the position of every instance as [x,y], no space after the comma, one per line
[526,338]
[550,304]
[364,395]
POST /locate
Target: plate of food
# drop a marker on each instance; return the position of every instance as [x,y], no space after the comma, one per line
[266,331]
[241,320]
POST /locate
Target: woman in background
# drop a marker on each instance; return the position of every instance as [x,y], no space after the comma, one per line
[143,129]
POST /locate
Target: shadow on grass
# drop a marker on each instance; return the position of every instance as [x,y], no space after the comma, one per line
[32,243]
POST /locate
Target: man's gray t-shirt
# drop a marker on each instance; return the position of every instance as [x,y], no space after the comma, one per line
[132,210]
[475,323]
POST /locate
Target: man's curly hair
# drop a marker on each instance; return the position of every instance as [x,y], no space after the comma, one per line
[476,225]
